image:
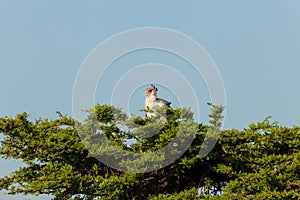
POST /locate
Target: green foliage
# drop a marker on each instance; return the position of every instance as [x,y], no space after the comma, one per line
[262,162]
[259,162]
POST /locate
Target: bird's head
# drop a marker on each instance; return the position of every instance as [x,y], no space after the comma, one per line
[152,90]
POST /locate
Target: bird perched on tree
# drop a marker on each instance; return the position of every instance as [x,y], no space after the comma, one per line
[152,102]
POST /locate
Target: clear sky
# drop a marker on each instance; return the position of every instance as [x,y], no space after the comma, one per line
[255,44]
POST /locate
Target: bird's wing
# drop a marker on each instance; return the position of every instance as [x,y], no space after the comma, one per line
[162,102]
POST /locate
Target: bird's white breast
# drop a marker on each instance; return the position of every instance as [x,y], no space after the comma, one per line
[150,102]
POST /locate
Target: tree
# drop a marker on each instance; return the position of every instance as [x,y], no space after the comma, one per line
[260,162]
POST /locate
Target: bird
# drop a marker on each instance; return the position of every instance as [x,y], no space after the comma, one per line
[152,102]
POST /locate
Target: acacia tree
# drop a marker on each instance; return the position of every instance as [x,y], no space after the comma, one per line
[259,162]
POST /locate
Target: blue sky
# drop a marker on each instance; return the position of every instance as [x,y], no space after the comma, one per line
[255,45]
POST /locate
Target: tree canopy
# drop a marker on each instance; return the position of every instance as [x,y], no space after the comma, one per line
[113,156]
